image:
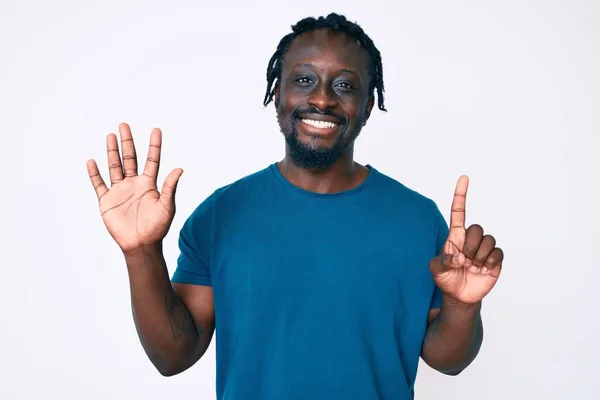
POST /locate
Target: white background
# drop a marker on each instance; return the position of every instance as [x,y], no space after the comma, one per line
[507,92]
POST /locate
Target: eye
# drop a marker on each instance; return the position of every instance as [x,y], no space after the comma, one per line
[304,80]
[345,85]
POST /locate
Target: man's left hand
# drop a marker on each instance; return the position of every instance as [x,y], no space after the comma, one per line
[470,263]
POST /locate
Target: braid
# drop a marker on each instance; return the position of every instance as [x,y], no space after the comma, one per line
[334,22]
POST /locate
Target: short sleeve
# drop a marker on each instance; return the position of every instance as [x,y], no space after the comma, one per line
[193,263]
[442,230]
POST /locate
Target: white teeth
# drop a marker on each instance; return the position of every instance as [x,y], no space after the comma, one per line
[319,124]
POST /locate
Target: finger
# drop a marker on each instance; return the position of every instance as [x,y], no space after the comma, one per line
[446,262]
[473,237]
[153,160]
[167,195]
[114,159]
[488,243]
[457,216]
[128,147]
[493,264]
[96,179]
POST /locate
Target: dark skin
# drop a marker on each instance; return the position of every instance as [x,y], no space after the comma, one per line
[175,323]
[325,72]
[465,272]
[328,71]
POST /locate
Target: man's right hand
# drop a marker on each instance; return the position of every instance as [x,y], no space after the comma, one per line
[134,212]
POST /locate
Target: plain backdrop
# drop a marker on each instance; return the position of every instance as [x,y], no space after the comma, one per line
[507,92]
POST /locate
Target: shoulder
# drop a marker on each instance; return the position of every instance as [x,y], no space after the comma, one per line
[225,197]
[250,185]
[391,190]
[413,208]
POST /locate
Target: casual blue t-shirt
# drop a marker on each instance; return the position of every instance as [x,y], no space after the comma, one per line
[317,296]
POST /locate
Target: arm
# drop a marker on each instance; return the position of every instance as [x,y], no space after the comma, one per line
[453,337]
[175,322]
[466,268]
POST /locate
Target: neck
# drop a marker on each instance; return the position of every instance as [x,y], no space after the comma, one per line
[344,174]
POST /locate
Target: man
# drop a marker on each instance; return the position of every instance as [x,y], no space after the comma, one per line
[325,279]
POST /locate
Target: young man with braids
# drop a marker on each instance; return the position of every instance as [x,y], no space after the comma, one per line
[325,279]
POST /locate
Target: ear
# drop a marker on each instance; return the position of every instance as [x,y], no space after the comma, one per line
[370,104]
[276,94]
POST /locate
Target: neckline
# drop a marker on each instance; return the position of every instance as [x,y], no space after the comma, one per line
[289,185]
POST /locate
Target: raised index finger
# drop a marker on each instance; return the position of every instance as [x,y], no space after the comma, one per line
[457,216]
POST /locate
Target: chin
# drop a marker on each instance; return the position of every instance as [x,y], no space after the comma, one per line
[309,154]
[316,143]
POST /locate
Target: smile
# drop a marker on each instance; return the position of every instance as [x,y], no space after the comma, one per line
[319,124]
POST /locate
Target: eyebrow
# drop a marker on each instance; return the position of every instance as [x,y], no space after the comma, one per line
[308,65]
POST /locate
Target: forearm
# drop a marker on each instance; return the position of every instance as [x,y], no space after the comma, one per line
[165,327]
[454,337]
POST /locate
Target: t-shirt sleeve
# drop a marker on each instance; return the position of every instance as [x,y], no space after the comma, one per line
[441,236]
[193,263]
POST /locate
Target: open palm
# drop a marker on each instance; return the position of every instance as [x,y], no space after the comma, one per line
[135,213]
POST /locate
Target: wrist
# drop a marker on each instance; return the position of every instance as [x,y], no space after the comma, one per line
[455,307]
[144,251]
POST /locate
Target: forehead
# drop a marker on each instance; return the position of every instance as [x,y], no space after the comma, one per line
[326,49]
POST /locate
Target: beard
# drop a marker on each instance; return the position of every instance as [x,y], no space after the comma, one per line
[318,158]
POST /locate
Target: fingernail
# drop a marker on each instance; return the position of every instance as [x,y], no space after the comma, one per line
[484,270]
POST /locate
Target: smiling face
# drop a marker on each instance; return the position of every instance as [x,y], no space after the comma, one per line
[323,97]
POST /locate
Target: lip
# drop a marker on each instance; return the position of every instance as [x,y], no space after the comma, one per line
[317,117]
[315,131]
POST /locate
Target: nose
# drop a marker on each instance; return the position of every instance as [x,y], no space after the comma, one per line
[322,98]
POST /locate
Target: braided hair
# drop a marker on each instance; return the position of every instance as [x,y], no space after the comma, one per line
[337,23]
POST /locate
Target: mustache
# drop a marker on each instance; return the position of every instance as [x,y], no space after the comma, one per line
[296,113]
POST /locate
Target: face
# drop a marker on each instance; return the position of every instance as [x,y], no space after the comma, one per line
[322,98]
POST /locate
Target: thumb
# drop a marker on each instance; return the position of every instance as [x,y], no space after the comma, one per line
[167,195]
[446,262]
